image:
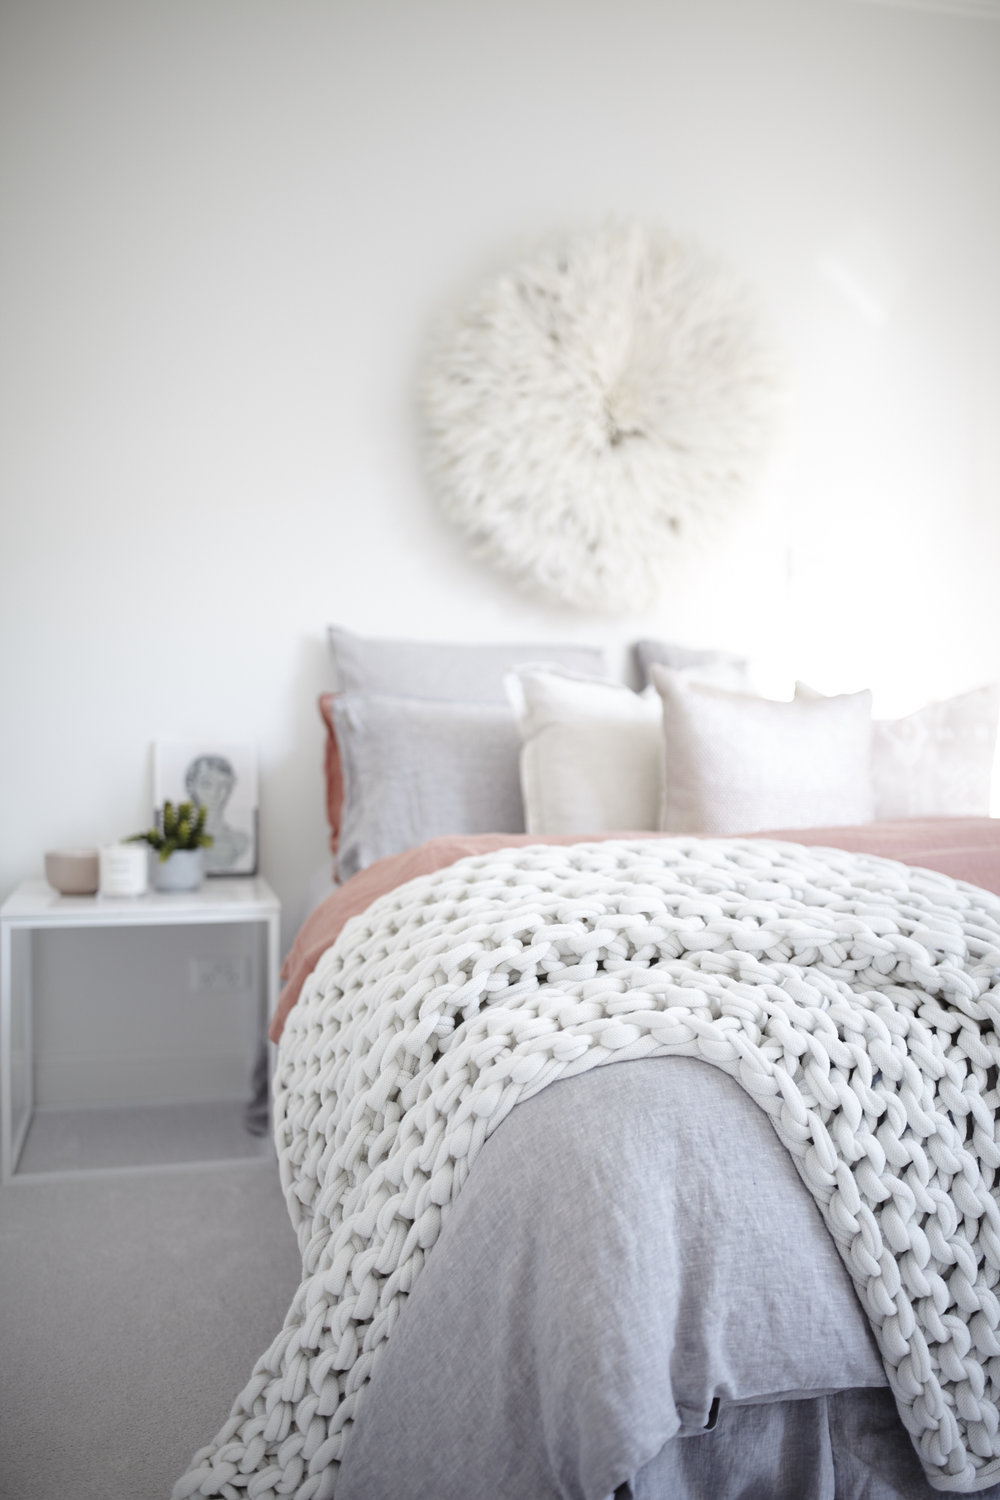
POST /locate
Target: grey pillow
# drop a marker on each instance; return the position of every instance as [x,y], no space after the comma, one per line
[445,670]
[415,769]
[724,668]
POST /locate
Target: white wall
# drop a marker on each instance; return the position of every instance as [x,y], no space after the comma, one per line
[226,227]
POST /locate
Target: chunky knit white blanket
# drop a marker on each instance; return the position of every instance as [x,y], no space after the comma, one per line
[854,998]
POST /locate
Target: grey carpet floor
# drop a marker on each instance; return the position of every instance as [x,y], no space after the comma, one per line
[132,1310]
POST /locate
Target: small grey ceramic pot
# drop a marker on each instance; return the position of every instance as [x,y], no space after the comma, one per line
[183,870]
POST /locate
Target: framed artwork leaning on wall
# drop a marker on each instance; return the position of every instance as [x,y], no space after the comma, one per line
[222,778]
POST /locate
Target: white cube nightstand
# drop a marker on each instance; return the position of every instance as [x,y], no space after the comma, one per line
[34,907]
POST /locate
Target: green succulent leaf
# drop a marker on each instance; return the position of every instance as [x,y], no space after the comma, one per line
[182,826]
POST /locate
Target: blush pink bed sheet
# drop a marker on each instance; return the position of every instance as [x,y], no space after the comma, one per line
[965,848]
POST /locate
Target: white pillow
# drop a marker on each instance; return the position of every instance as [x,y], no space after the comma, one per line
[591,752]
[737,763]
[937,762]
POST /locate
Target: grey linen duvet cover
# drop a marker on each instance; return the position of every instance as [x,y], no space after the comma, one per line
[634,1295]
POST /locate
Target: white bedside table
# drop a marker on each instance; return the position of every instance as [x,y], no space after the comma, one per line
[35,907]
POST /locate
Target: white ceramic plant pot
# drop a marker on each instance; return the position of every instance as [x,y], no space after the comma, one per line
[183,870]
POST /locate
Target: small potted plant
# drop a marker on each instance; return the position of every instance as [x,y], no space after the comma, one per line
[178,842]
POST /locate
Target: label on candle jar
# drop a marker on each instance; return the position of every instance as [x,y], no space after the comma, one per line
[124,870]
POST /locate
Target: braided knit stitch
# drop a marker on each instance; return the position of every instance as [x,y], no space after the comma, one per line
[854,998]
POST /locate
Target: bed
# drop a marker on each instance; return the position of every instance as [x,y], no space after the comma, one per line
[619,1152]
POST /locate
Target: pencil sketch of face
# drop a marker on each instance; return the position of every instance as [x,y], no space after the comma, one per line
[210,780]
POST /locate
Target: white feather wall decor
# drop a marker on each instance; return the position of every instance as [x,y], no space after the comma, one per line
[596,408]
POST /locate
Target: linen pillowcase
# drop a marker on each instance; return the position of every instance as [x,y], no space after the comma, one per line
[468,671]
[591,752]
[736,763]
[414,769]
[448,671]
[937,762]
[721,666]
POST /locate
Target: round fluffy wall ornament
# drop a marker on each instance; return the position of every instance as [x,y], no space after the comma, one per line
[595,409]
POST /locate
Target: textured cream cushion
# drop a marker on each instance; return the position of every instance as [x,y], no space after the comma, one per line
[937,762]
[737,763]
[591,752]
